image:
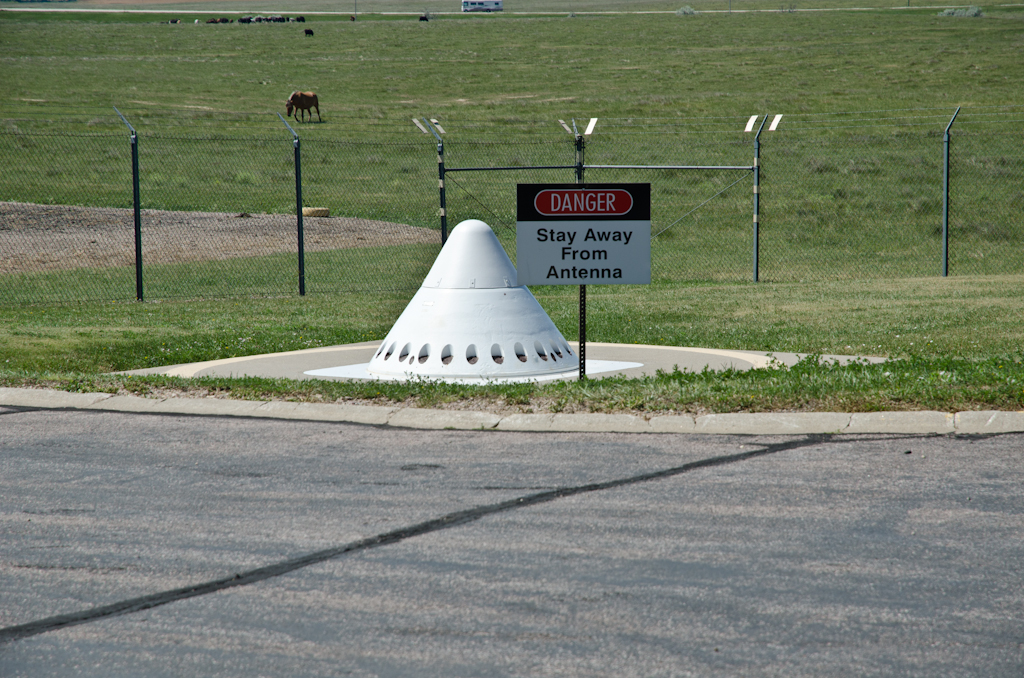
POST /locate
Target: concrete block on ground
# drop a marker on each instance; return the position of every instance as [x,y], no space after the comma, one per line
[48,399]
[990,421]
[673,423]
[526,422]
[340,412]
[772,423]
[208,407]
[126,403]
[901,422]
[412,417]
[596,422]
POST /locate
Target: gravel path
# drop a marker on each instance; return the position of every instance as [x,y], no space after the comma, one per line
[52,237]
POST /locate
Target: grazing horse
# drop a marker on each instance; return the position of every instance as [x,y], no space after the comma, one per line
[301,102]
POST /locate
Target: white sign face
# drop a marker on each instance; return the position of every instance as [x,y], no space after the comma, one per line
[583,234]
[583,252]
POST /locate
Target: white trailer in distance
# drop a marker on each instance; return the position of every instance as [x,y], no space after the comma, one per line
[482,5]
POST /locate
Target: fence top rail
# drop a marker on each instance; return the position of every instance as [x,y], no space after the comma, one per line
[673,167]
[125,120]
[495,169]
[294,134]
[119,134]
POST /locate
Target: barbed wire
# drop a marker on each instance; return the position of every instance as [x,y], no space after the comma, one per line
[204,122]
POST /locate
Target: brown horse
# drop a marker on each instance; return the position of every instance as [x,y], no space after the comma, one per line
[302,102]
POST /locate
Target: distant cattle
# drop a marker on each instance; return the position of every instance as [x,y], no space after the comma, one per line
[300,19]
[309,32]
[424,18]
[174,21]
[301,102]
[277,19]
[213,21]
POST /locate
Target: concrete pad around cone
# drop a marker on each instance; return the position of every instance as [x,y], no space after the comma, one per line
[285,365]
[295,364]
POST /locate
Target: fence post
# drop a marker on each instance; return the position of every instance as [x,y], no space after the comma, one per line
[757,198]
[580,146]
[137,208]
[298,207]
[440,183]
[945,196]
[434,127]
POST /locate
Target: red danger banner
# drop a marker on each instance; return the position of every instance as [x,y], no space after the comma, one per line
[561,202]
[590,202]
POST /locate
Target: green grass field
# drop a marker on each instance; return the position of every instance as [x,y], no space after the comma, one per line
[850,207]
[377,74]
[845,195]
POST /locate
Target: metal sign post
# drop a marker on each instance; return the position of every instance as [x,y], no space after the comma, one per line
[580,147]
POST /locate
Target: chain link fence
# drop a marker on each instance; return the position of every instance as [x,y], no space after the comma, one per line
[986,214]
[219,212]
[701,219]
[218,217]
[474,191]
[851,205]
[66,227]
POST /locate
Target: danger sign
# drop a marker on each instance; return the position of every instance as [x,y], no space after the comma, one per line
[583,234]
[561,202]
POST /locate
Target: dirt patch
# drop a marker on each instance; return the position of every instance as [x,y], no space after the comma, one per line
[59,237]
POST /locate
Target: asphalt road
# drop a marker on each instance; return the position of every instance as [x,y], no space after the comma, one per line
[169,545]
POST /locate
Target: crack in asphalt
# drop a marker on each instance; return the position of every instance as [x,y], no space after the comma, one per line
[33,628]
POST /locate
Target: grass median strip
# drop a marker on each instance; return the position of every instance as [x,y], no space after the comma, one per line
[915,383]
[953,344]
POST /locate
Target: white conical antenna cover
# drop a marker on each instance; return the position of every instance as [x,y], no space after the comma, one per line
[469,321]
[471,259]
